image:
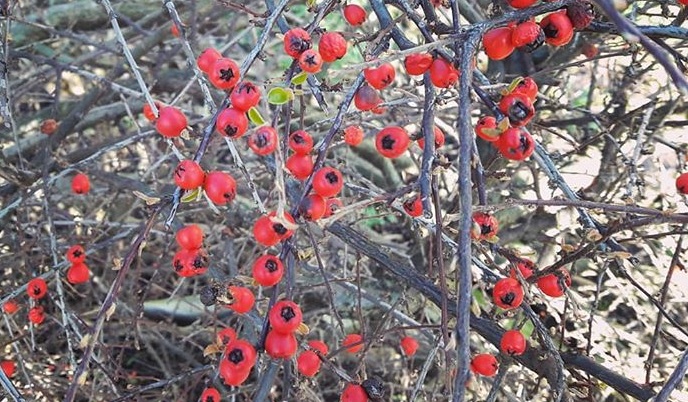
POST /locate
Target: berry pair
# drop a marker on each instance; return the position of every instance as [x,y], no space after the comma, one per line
[191,259]
[78,271]
[222,72]
[239,359]
[285,318]
[300,163]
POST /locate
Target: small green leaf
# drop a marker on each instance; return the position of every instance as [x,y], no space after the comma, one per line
[528,329]
[191,195]
[311,3]
[300,78]
[280,96]
[255,117]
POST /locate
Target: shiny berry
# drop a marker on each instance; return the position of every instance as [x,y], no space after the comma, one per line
[239,358]
[518,108]
[328,182]
[207,58]
[521,3]
[409,345]
[231,123]
[497,43]
[308,363]
[80,184]
[367,98]
[507,293]
[268,270]
[48,126]
[189,175]
[380,77]
[264,233]
[527,36]
[313,207]
[354,14]
[190,237]
[280,345]
[301,142]
[555,284]
[353,135]
[526,267]
[353,393]
[515,144]
[37,288]
[285,316]
[392,142]
[418,63]
[558,28]
[10,307]
[413,206]
[263,141]
[36,315]
[484,364]
[485,226]
[310,61]
[332,46]
[486,128]
[220,187]
[296,41]
[513,343]
[300,166]
[353,343]
[242,299]
[245,96]
[439,138]
[333,205]
[682,183]
[443,74]
[224,73]
[8,367]
[171,122]
[76,253]
[211,394]
[528,87]
[78,273]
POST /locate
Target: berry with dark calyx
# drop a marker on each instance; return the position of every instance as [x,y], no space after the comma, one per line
[526,267]
[558,28]
[374,387]
[37,288]
[282,231]
[224,73]
[190,237]
[78,273]
[36,315]
[300,166]
[353,393]
[242,299]
[207,58]
[581,13]
[285,317]
[332,46]
[367,98]
[380,77]
[354,14]
[310,61]
[485,226]
[220,187]
[515,144]
[171,122]
[268,270]
[353,343]
[332,206]
[80,184]
[513,343]
[189,175]
[486,128]
[443,74]
[76,253]
[268,231]
[280,345]
[308,363]
[245,96]
[263,141]
[413,206]
[48,126]
[418,63]
[526,86]
[409,345]
[313,207]
[296,41]
[211,394]
[682,183]
[231,123]
[392,141]
[328,182]
[497,43]
[521,3]
[439,138]
[240,356]
[527,36]
[555,284]
[507,293]
[353,135]
[301,142]
[188,263]
[518,108]
[484,364]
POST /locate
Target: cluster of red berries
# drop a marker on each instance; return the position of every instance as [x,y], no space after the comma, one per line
[36,289]
[191,259]
[220,187]
[298,44]
[78,271]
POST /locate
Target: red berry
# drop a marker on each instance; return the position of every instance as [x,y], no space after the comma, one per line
[353,343]
[76,253]
[148,112]
[245,96]
[513,343]
[409,345]
[581,13]
[188,263]
[226,335]
[353,135]
[682,183]
[268,231]
[527,36]
[507,293]
[354,14]
[484,364]
[37,288]
[263,141]
[280,345]
[211,394]
[380,77]
[555,284]
[332,46]
[171,122]
[48,126]
[190,237]
[80,184]
[521,3]
[526,267]
[10,307]
[528,87]
[308,363]
[486,127]
[242,299]
[220,187]
[37,315]
[413,206]
[354,393]
[207,58]
[392,142]
[558,28]
[174,30]
[310,61]
[296,41]
[268,270]
[443,74]
[485,226]
[285,316]
[367,98]
[590,50]
[515,144]
[313,207]
[240,356]
[439,139]
[417,63]
[8,367]
[231,123]
[301,142]
[497,43]
[332,206]
[518,108]
[224,73]
[300,166]
[78,273]
[328,182]
[189,175]
[320,346]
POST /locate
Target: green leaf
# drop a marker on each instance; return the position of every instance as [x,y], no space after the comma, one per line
[528,329]
[255,117]
[191,195]
[300,78]
[280,96]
